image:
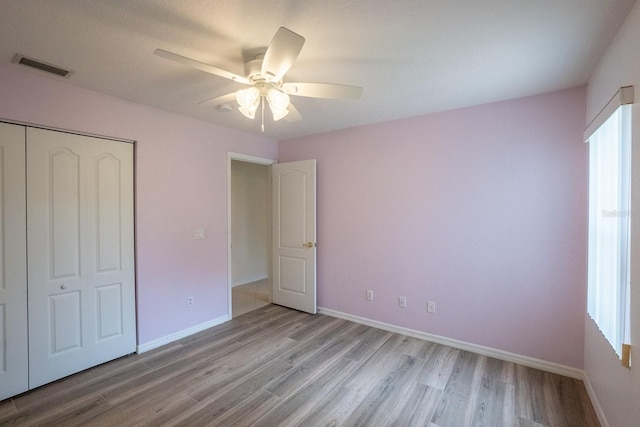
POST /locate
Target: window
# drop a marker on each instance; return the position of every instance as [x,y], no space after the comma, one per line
[609,226]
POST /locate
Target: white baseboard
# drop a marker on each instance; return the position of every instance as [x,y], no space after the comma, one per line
[158,342]
[595,402]
[531,362]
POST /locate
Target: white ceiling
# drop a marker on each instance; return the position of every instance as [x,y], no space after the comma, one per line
[412,57]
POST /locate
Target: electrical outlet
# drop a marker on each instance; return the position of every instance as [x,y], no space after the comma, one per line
[402,302]
[189,301]
[431,306]
[369,295]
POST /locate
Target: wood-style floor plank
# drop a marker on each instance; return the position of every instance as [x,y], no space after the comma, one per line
[416,406]
[7,408]
[385,395]
[279,367]
[459,397]
[296,406]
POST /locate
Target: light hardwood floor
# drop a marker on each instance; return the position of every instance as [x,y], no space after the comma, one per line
[279,367]
[248,297]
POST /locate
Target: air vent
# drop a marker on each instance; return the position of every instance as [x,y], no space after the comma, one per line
[52,69]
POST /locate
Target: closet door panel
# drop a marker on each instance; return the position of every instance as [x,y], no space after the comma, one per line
[80,244]
[108,221]
[66,322]
[110,311]
[13,263]
[63,206]
[111,274]
[56,222]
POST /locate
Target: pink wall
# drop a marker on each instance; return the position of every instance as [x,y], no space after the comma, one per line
[482,210]
[181,184]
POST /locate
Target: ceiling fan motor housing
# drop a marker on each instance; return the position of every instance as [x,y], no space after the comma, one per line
[253,68]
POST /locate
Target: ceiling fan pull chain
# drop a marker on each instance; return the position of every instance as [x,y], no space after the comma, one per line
[262,101]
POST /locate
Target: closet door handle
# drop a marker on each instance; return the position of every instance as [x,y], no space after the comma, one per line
[63,286]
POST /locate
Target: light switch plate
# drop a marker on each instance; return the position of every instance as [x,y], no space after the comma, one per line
[198,234]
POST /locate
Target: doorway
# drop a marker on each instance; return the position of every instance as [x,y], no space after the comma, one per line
[249,216]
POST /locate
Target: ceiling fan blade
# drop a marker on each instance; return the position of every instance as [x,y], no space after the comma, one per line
[294,114]
[224,99]
[281,53]
[200,66]
[323,90]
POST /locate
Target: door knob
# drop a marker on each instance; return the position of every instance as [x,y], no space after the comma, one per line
[308,245]
[63,286]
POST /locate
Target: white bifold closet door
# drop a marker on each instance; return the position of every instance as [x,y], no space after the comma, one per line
[81,290]
[13,263]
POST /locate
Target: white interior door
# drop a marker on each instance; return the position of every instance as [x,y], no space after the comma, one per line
[13,263]
[294,235]
[80,247]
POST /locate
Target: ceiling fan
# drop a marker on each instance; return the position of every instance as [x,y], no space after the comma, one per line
[265,76]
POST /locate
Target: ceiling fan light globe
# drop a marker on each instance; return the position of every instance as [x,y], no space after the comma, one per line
[250,114]
[279,114]
[278,100]
[248,98]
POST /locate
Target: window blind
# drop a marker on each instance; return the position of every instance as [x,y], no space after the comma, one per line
[609,223]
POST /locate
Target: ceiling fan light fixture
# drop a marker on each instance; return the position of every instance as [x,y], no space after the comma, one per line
[265,76]
[248,99]
[278,102]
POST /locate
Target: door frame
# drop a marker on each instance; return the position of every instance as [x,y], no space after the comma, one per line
[248,159]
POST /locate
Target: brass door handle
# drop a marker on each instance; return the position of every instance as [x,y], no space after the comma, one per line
[308,244]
